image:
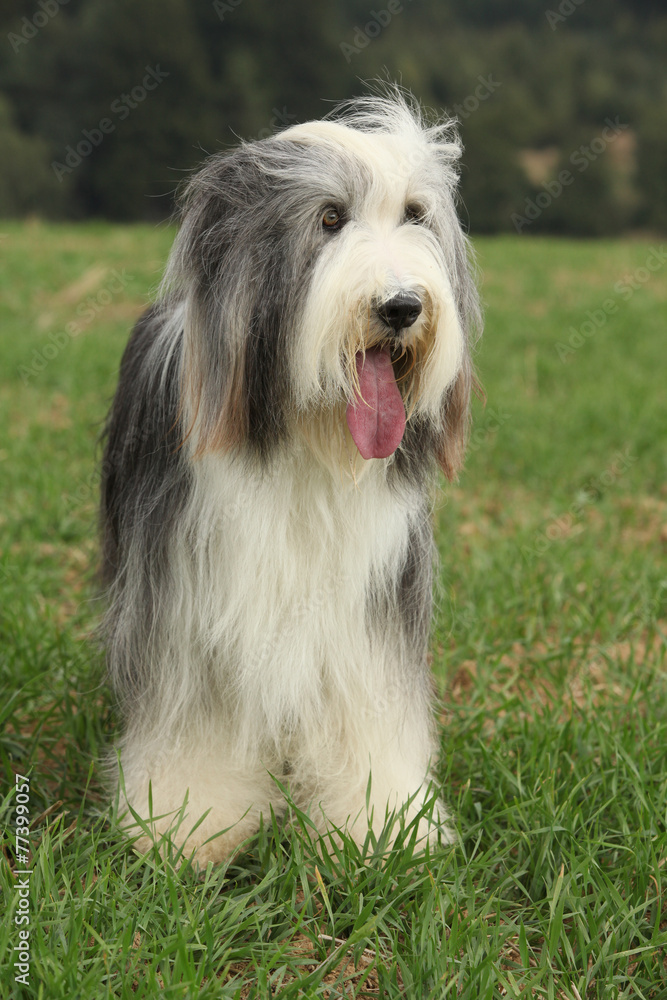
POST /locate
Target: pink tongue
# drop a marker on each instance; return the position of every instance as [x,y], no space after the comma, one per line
[376,418]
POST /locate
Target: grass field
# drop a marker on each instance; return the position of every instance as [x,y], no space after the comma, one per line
[548,649]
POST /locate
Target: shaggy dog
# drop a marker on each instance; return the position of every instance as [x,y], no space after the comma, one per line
[271,458]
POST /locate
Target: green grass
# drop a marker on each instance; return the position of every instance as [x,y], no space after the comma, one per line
[548,650]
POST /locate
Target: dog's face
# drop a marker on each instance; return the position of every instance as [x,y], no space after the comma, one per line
[328,292]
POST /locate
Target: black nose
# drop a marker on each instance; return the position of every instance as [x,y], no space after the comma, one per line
[400,311]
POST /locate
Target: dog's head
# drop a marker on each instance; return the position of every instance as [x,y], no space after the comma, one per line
[328,290]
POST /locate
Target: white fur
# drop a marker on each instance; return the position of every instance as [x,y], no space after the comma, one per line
[275,595]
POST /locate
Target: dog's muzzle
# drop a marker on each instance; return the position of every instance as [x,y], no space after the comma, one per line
[400,311]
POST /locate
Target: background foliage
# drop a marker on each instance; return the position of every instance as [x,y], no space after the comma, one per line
[550,75]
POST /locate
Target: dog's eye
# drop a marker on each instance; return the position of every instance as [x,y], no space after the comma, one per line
[332,219]
[414,213]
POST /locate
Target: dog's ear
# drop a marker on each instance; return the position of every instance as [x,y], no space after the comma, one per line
[236,273]
[455,421]
[455,413]
[200,273]
[232,350]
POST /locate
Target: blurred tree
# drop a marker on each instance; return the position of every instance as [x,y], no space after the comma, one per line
[579,194]
[141,68]
[230,68]
[493,185]
[26,183]
[652,166]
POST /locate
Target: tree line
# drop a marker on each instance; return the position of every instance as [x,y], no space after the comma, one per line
[104,108]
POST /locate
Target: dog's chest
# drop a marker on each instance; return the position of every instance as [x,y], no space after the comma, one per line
[295,558]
